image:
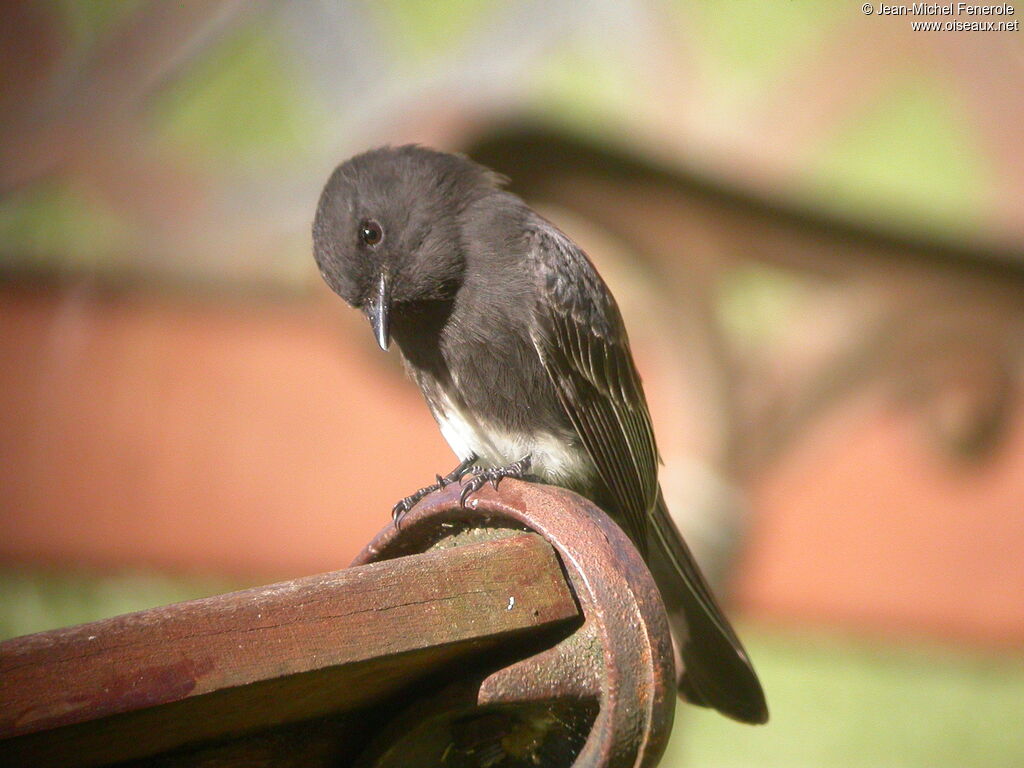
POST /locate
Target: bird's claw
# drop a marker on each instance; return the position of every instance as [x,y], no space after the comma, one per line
[492,475]
[404,506]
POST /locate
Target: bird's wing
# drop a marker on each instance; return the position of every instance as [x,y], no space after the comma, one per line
[582,343]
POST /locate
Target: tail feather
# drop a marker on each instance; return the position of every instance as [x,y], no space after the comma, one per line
[716,671]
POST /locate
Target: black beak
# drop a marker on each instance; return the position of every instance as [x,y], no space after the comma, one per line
[379,311]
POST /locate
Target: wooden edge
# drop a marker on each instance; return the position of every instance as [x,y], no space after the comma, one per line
[150,681]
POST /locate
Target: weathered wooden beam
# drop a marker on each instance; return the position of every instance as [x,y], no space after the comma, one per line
[148,682]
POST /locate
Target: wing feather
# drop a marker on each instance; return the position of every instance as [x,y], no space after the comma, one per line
[582,343]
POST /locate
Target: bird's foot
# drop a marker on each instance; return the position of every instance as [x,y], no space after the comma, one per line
[482,476]
[402,507]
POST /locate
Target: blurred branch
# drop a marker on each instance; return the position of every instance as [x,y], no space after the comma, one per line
[778,230]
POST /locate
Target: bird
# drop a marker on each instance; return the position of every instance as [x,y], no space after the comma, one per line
[521,354]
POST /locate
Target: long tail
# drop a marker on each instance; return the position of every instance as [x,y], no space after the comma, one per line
[716,671]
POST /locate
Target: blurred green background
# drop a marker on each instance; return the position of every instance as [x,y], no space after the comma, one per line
[255,108]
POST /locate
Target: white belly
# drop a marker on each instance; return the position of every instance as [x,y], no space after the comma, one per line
[554,458]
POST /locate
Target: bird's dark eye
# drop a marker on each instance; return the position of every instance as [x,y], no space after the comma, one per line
[370,232]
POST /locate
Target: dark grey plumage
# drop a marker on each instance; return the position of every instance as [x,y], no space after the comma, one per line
[519,349]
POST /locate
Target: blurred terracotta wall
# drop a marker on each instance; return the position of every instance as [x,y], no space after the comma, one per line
[269,438]
[145,430]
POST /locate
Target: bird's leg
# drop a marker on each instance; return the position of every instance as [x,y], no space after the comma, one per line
[399,510]
[482,475]
[459,472]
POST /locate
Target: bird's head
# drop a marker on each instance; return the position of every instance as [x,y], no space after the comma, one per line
[386,234]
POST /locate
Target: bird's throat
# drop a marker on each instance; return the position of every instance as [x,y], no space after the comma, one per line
[417,328]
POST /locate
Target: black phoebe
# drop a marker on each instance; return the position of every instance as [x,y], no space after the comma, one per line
[521,354]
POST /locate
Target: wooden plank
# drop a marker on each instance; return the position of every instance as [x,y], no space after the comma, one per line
[150,681]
